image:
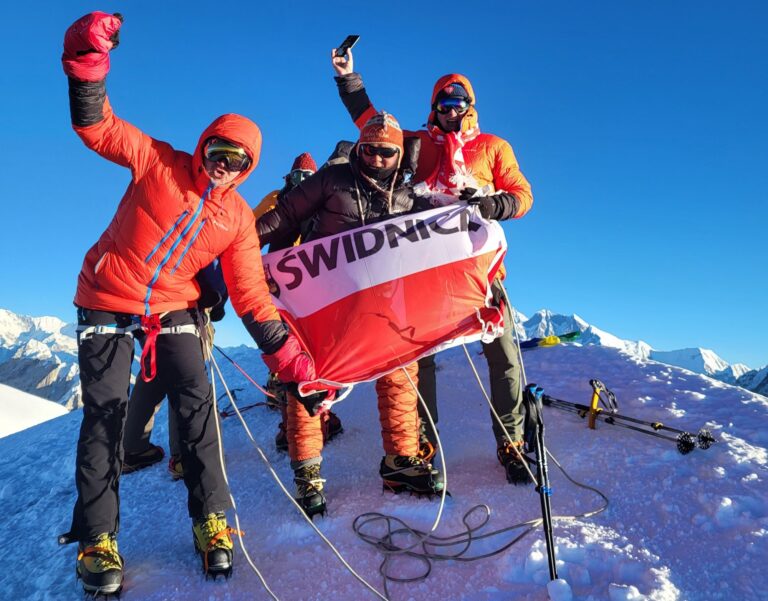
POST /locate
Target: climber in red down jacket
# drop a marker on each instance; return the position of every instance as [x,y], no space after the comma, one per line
[179,213]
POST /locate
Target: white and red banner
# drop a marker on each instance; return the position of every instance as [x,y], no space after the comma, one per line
[370,300]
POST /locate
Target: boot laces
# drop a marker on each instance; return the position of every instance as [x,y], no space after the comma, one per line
[404,463]
[216,535]
[105,554]
[508,454]
[308,480]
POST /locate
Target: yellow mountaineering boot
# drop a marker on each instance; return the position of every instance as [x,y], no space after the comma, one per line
[100,566]
[213,541]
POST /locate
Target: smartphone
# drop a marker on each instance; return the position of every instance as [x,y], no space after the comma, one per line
[348,42]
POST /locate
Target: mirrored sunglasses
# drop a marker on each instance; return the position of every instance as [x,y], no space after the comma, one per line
[386,152]
[444,105]
[298,175]
[234,157]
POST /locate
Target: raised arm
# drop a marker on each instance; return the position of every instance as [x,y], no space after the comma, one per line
[351,89]
[87,44]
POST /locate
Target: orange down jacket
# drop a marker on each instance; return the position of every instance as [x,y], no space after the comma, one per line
[170,224]
[489,158]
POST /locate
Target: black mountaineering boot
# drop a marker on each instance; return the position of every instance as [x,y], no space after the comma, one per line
[411,473]
[213,542]
[133,462]
[331,425]
[513,466]
[100,566]
[309,489]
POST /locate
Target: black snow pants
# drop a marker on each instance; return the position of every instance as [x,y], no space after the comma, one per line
[145,400]
[105,369]
[505,376]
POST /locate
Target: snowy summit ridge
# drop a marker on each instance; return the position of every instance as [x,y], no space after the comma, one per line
[38,355]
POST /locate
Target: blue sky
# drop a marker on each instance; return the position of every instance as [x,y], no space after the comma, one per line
[642,127]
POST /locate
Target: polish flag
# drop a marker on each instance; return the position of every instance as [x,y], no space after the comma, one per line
[370,300]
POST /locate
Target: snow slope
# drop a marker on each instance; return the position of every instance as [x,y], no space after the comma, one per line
[692,528]
[20,410]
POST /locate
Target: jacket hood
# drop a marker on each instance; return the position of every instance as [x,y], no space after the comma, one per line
[237,129]
[470,119]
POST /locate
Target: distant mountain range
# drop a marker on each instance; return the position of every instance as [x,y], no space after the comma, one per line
[38,355]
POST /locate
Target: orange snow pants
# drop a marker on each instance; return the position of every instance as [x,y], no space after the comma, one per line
[398,415]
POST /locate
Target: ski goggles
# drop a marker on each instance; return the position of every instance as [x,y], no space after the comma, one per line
[233,157]
[385,152]
[445,105]
[297,176]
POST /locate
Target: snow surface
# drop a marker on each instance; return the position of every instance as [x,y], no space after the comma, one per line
[20,410]
[691,527]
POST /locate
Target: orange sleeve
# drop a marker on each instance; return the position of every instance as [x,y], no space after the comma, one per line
[508,177]
[267,203]
[244,273]
[122,143]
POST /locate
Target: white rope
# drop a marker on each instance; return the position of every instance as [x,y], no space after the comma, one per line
[287,493]
[496,415]
[207,346]
[513,314]
[442,458]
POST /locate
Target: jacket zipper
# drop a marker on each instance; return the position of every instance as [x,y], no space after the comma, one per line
[173,247]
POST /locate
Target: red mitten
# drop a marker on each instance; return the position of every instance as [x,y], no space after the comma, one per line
[87,44]
[290,363]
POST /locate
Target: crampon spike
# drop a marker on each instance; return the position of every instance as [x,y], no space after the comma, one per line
[400,488]
[686,442]
[705,439]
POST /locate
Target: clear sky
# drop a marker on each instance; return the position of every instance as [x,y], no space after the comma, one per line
[642,126]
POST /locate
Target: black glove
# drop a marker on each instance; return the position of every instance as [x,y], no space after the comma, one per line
[215,301]
[486,204]
[312,402]
[217,312]
[499,206]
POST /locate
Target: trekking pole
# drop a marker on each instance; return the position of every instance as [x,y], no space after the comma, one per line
[533,399]
[685,441]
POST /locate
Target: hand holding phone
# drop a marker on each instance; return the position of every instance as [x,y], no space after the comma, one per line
[348,42]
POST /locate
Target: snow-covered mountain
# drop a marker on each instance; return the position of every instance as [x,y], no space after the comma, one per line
[39,355]
[755,380]
[702,361]
[698,360]
[677,527]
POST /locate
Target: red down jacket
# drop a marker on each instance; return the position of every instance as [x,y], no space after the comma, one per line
[170,224]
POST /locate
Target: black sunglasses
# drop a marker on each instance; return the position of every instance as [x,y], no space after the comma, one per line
[386,152]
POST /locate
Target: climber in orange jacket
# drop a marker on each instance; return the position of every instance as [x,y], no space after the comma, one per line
[180,211]
[457,162]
